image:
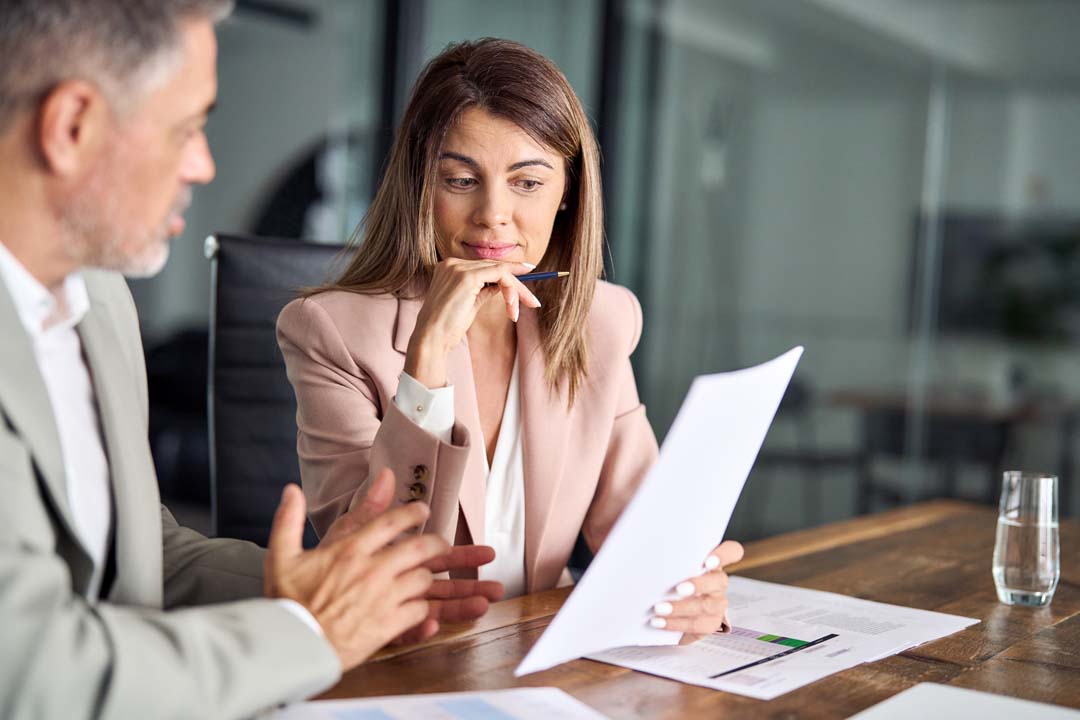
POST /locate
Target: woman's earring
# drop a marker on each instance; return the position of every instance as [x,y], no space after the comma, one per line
[562,207]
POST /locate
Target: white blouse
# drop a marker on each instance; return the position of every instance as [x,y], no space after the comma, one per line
[504,500]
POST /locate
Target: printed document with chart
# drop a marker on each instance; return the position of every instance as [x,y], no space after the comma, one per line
[785,637]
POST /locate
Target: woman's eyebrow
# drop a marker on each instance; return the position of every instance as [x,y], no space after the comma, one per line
[530,163]
[474,164]
[460,158]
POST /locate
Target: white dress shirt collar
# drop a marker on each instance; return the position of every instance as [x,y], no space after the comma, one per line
[39,309]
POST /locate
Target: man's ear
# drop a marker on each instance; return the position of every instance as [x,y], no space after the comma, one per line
[72,123]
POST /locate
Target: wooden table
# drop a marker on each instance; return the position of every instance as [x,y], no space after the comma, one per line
[934,556]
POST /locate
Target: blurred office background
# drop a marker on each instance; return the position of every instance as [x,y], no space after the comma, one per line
[894,184]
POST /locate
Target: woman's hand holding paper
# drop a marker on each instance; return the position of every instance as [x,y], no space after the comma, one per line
[703,607]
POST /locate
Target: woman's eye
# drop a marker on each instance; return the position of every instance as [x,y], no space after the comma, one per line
[461,183]
[529,185]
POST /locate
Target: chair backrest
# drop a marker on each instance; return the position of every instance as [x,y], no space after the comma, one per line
[252,407]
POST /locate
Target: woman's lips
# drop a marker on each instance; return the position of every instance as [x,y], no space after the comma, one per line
[490,252]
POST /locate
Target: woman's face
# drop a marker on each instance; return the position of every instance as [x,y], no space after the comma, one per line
[497,191]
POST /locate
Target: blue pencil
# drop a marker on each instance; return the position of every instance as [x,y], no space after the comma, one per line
[528,277]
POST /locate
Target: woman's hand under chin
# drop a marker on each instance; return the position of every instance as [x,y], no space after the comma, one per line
[457,291]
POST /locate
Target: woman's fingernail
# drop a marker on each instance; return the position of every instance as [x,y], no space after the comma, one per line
[536,300]
[663,608]
[529,265]
[658,623]
[712,562]
[685,589]
[517,311]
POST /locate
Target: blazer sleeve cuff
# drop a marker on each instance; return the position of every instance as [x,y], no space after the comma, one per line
[426,469]
[302,614]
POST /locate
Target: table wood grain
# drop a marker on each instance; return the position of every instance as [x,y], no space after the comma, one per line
[933,556]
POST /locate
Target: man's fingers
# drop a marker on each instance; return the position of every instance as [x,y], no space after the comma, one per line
[287,531]
[419,633]
[463,557]
[491,589]
[412,584]
[379,532]
[459,610]
[412,553]
[450,589]
[363,508]
[411,614]
[378,498]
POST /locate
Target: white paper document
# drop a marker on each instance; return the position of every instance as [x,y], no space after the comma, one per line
[930,701]
[785,637]
[678,515]
[515,704]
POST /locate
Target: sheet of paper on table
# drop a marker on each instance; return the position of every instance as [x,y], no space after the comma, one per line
[785,637]
[930,701]
[678,515]
[514,704]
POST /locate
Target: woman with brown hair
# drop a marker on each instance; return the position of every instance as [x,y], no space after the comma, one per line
[522,412]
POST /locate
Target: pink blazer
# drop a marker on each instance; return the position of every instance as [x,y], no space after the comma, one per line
[344,353]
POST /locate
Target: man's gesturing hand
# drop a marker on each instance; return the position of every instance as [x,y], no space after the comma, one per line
[449,600]
[363,591]
[456,600]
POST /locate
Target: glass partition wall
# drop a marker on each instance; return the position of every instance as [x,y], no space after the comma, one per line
[894,184]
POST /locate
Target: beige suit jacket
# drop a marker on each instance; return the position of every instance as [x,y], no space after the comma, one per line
[345,352]
[130,655]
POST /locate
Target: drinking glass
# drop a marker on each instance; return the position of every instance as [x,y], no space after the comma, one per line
[1027,562]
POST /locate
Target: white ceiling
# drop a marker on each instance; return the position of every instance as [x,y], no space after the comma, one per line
[1025,40]
[1012,41]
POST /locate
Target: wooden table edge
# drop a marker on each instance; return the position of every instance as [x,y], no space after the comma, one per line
[760,552]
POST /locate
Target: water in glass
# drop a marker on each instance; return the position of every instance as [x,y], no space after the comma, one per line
[1027,555]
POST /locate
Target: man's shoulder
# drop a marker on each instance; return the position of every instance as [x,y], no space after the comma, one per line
[107,288]
[111,301]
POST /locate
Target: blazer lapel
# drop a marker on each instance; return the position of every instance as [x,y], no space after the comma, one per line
[25,401]
[545,433]
[137,519]
[459,373]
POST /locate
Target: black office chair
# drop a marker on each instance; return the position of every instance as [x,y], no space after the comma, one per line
[252,408]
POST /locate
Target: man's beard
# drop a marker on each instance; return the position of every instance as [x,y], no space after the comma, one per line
[98,234]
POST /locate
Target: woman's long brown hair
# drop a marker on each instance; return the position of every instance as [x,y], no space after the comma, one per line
[396,250]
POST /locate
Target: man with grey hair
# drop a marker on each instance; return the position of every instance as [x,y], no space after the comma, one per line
[102,108]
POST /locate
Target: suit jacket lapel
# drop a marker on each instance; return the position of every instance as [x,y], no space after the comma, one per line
[459,374]
[137,519]
[25,401]
[545,433]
